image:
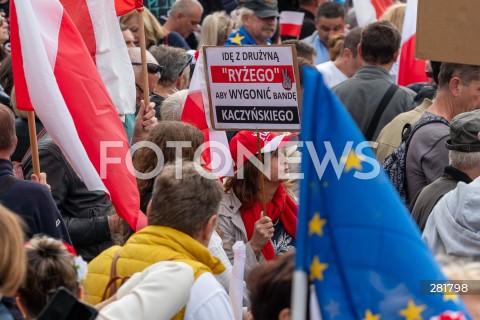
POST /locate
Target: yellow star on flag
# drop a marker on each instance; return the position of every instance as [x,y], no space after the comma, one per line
[316,224]
[450,296]
[237,39]
[412,312]
[317,268]
[370,316]
[352,161]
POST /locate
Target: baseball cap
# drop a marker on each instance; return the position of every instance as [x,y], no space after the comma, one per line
[464,130]
[247,140]
[263,8]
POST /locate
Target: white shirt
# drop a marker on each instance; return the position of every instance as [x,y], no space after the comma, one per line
[331,74]
[208,300]
[157,293]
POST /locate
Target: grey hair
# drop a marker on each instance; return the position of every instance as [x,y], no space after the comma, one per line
[243,12]
[172,59]
[172,106]
[466,160]
[135,56]
[184,6]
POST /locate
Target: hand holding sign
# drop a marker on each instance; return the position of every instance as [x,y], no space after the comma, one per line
[287,81]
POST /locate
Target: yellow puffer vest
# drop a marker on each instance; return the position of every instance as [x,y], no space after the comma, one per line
[146,247]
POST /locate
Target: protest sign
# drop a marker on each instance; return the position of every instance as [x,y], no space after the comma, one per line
[253,87]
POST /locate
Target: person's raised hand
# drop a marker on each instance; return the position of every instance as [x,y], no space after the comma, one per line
[144,122]
[263,231]
[42,179]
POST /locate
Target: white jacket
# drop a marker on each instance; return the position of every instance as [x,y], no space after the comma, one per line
[159,292]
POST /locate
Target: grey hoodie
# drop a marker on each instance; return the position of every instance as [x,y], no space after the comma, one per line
[453,227]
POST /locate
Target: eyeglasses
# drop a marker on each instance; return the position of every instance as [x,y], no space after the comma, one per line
[189,61]
[152,68]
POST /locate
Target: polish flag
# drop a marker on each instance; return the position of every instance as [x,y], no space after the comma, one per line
[97,22]
[291,23]
[56,73]
[368,11]
[410,70]
[196,111]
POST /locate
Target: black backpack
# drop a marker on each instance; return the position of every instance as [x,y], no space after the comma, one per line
[395,164]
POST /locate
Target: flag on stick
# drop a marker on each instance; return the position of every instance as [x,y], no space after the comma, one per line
[355,239]
[98,24]
[291,23]
[410,69]
[368,11]
[63,84]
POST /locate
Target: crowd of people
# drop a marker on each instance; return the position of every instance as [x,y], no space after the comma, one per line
[181,265]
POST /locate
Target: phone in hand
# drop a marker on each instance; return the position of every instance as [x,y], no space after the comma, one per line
[65,306]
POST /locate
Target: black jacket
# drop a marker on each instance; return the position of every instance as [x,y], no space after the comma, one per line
[85,212]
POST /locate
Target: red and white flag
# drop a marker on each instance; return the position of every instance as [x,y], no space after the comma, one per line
[368,11]
[291,23]
[196,111]
[55,72]
[410,70]
[97,22]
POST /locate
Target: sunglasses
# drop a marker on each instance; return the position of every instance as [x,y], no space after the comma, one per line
[189,61]
[152,68]
[139,88]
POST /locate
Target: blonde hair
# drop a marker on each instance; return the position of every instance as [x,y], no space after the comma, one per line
[12,254]
[153,29]
[459,268]
[395,14]
[335,45]
[215,29]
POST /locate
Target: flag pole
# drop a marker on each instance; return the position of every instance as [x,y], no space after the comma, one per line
[32,132]
[262,177]
[143,49]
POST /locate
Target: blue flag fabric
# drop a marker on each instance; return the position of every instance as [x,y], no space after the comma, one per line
[241,38]
[355,238]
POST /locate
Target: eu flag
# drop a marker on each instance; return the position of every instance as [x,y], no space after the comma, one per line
[355,238]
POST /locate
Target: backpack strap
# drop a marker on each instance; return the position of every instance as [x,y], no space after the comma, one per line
[422,122]
[8,181]
[379,111]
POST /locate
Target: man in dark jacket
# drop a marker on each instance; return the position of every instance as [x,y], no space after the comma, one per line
[87,213]
[30,200]
[464,157]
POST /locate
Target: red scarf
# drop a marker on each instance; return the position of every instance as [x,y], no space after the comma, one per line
[282,206]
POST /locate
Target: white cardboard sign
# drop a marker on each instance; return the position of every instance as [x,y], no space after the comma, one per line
[253,87]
